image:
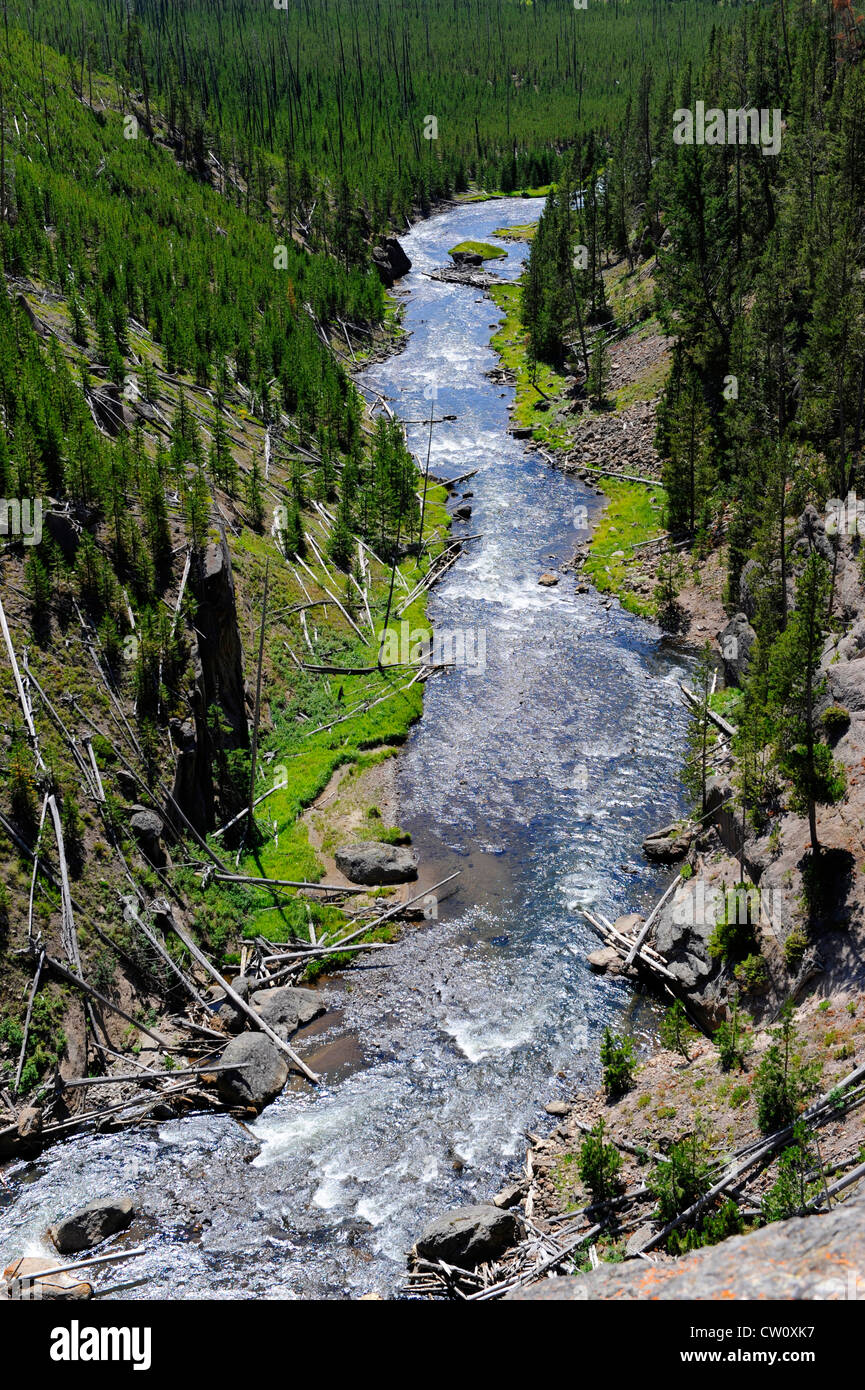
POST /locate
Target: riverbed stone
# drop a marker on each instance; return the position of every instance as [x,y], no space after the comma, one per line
[468,1236]
[92,1224]
[264,1073]
[287,1008]
[605,961]
[548,579]
[372,862]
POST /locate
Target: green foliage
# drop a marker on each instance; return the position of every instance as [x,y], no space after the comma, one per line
[681,1179]
[793,1187]
[600,1164]
[676,1031]
[731,1040]
[753,973]
[618,1059]
[710,1229]
[782,1080]
[735,935]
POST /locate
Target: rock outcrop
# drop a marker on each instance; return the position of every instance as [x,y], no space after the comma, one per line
[815,1257]
[390,260]
[736,641]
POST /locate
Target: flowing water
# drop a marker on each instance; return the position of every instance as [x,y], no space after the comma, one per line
[537,776]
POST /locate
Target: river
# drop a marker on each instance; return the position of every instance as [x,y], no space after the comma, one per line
[537,776]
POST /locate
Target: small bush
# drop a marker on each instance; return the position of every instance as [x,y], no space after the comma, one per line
[795,947]
[735,936]
[618,1059]
[681,1180]
[676,1031]
[753,974]
[836,721]
[600,1165]
[781,1081]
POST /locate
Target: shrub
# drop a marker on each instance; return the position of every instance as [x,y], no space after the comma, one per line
[600,1165]
[753,973]
[710,1230]
[618,1059]
[791,1191]
[731,1040]
[735,936]
[836,721]
[795,947]
[681,1180]
[676,1031]
[781,1081]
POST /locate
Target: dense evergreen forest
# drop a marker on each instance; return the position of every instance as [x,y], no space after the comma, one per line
[758,278]
[404,103]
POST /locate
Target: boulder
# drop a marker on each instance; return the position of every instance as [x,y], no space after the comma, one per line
[510,1196]
[812,534]
[468,1236]
[736,641]
[462,259]
[682,933]
[286,1009]
[92,1224]
[667,849]
[548,579]
[263,1075]
[147,827]
[605,961]
[462,512]
[30,1122]
[390,260]
[372,862]
[846,682]
[815,1257]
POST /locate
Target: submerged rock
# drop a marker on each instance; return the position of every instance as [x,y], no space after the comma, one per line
[468,1236]
[92,1224]
[372,862]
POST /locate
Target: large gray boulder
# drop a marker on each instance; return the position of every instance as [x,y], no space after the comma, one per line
[287,1009]
[846,683]
[736,641]
[468,1236]
[811,530]
[147,827]
[263,1075]
[815,1257]
[390,260]
[92,1224]
[373,863]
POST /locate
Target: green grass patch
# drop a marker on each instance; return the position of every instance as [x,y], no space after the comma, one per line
[632,515]
[479,248]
